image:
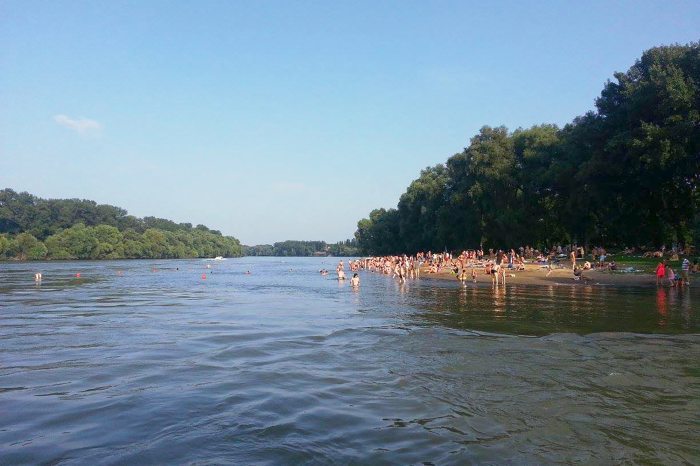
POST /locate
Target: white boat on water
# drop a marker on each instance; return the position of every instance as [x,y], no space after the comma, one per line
[217,258]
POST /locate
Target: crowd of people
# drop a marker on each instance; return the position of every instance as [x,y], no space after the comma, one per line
[500,265]
[665,275]
[465,266]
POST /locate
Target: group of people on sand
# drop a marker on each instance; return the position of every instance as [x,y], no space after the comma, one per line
[501,264]
[465,266]
[665,275]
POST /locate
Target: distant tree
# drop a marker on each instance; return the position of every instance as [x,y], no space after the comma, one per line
[4,245]
[28,247]
[82,229]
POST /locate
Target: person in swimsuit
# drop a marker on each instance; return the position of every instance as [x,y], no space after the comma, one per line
[660,272]
[671,275]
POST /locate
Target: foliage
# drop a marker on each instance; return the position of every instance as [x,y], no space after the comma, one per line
[32,228]
[627,174]
[303,249]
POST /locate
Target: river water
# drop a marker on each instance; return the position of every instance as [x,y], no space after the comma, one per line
[149,362]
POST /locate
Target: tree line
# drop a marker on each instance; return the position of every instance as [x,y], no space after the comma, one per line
[626,174]
[303,249]
[32,228]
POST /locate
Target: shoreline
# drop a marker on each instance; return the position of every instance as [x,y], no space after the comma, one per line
[536,275]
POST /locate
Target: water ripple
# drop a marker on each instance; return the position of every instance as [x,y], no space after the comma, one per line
[158,366]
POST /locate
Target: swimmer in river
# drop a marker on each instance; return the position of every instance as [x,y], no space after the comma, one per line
[355,281]
[341,274]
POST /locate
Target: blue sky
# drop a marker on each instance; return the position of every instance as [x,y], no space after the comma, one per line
[274,120]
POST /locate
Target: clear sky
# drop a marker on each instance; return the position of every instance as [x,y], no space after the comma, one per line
[274,120]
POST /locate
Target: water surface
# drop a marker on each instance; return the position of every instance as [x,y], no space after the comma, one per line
[147,362]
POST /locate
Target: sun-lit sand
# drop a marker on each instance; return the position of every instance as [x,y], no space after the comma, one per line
[536,275]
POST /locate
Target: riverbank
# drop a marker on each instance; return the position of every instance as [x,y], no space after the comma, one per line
[537,275]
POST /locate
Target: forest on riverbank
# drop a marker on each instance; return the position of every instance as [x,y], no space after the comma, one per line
[303,249]
[626,174]
[32,228]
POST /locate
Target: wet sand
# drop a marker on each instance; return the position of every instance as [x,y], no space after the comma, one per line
[536,275]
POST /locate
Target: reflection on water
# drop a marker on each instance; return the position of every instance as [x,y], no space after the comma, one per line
[147,362]
[661,297]
[541,310]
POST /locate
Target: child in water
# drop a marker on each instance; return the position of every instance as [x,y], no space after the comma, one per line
[671,275]
[463,276]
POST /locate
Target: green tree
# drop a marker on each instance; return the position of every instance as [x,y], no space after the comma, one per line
[28,247]
[4,245]
[79,241]
[110,243]
[419,211]
[56,249]
[155,244]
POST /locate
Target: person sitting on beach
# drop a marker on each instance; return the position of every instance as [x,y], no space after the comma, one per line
[578,273]
[612,265]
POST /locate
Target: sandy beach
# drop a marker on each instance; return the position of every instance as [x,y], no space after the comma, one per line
[537,275]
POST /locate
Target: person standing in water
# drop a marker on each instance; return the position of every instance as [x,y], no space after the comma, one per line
[355,281]
[685,272]
[660,272]
[463,276]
